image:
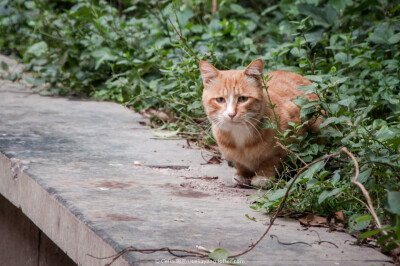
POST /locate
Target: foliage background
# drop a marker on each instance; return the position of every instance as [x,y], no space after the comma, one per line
[128,52]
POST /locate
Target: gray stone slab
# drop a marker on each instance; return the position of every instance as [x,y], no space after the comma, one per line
[70,165]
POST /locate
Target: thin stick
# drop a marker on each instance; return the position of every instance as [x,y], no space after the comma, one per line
[214,6]
[153,250]
[313,65]
[180,36]
[362,188]
[120,8]
[369,202]
[291,152]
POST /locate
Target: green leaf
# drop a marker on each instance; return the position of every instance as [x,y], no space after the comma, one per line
[347,101]
[363,218]
[357,226]
[314,149]
[237,8]
[340,5]
[219,254]
[364,176]
[323,16]
[334,120]
[129,9]
[394,39]
[336,177]
[326,194]
[165,134]
[103,54]
[355,61]
[312,170]
[385,133]
[185,16]
[29,4]
[389,247]
[277,194]
[314,78]
[381,35]
[370,233]
[382,239]
[341,57]
[393,202]
[37,49]
[4,66]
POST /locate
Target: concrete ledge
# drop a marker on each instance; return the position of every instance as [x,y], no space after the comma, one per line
[23,243]
[47,213]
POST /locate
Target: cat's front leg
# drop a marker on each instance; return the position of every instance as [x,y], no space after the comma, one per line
[243,175]
[265,174]
[261,181]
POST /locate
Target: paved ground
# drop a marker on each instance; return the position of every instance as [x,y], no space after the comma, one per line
[83,154]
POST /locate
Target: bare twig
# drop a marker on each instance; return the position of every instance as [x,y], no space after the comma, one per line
[291,152]
[329,242]
[173,26]
[362,188]
[369,202]
[120,7]
[288,244]
[313,65]
[189,253]
[214,6]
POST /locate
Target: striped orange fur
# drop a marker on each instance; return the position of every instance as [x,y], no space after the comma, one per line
[235,103]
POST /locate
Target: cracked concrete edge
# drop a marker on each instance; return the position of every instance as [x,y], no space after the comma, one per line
[69,233]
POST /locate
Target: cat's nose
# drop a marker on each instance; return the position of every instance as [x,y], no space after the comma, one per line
[231,115]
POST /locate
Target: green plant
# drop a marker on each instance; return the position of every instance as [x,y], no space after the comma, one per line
[147,57]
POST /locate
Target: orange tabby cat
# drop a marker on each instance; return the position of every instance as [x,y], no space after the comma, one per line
[235,102]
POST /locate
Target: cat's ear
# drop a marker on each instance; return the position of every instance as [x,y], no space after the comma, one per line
[208,72]
[255,69]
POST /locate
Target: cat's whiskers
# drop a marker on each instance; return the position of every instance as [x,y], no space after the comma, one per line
[249,122]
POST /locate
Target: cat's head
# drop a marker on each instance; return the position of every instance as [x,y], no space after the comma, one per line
[233,97]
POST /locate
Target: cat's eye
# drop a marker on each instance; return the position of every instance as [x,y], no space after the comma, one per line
[242,99]
[220,100]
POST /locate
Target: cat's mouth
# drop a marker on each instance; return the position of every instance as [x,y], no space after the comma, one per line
[234,122]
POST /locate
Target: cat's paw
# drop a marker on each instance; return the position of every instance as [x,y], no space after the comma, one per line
[240,180]
[260,181]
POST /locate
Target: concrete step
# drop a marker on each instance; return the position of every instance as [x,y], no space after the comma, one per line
[94,180]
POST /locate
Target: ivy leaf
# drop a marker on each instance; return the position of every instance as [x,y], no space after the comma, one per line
[357,226]
[312,170]
[364,176]
[237,9]
[394,39]
[334,120]
[347,101]
[37,49]
[326,194]
[103,54]
[381,35]
[277,194]
[4,66]
[323,16]
[393,202]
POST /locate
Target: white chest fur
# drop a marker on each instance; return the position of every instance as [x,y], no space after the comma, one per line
[240,134]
